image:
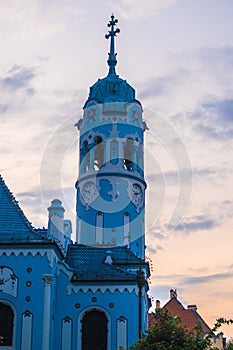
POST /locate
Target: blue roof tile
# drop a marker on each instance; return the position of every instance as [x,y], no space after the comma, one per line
[89,263]
[14,226]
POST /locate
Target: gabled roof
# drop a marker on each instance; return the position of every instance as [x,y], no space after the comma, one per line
[14,226]
[189,317]
[89,263]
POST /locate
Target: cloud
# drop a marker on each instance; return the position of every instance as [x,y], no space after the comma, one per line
[207,278]
[16,88]
[36,201]
[222,109]
[191,77]
[214,118]
[194,224]
[3,108]
[133,9]
[19,77]
[165,84]
[172,177]
[196,278]
[155,232]
[38,19]
[153,250]
[162,292]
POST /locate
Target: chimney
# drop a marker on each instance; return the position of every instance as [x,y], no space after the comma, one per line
[192,307]
[157,304]
[59,229]
[56,217]
[173,293]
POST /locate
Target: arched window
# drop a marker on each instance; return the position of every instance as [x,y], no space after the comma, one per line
[126,228]
[128,154]
[99,152]
[99,227]
[122,333]
[85,156]
[6,325]
[85,144]
[94,331]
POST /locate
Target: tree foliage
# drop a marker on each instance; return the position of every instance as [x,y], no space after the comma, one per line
[229,345]
[169,334]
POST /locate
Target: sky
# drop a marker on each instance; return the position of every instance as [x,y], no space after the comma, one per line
[178,55]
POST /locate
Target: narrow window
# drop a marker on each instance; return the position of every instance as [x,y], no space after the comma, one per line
[26,335]
[128,155]
[87,161]
[99,153]
[86,155]
[66,333]
[122,333]
[99,227]
[126,228]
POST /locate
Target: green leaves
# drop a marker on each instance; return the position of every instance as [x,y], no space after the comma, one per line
[169,334]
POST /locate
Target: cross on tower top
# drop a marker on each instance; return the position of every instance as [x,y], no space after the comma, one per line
[111,34]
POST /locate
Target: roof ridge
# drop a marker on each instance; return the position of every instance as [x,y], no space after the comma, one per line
[178,302]
[201,320]
[16,206]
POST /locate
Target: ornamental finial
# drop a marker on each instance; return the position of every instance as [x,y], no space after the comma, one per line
[111,34]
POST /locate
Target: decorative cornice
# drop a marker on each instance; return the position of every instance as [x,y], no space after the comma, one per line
[105,288]
[48,253]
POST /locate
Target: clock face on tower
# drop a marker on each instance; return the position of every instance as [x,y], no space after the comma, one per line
[136,195]
[89,192]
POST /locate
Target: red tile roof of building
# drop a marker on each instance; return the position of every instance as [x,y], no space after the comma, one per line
[189,317]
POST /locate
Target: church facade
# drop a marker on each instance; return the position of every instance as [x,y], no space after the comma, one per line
[91,294]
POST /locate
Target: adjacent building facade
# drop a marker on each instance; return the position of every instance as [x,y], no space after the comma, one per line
[91,294]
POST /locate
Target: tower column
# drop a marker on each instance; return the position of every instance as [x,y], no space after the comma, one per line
[83,162]
[108,145]
[92,151]
[134,157]
[121,153]
[48,280]
[140,160]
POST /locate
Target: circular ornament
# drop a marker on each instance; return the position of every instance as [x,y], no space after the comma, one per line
[89,192]
[136,195]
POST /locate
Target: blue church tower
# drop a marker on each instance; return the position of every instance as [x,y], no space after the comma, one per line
[91,294]
[111,185]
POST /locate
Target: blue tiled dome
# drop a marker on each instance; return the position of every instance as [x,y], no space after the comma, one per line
[111,89]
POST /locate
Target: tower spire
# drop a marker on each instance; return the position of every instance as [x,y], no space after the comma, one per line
[111,34]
